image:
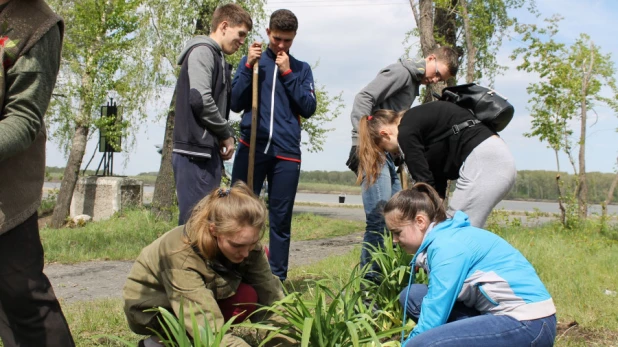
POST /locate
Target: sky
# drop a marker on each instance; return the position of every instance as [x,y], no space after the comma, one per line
[354,39]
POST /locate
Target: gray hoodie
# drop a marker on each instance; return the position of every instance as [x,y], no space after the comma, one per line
[394,88]
[200,76]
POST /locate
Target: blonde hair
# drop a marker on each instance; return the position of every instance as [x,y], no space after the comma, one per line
[229,210]
[371,157]
[420,198]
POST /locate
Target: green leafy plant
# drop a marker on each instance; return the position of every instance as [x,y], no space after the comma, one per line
[175,332]
[334,315]
[394,275]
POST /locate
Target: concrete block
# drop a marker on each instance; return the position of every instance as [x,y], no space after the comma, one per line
[101,197]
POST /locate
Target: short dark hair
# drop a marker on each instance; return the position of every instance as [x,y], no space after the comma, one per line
[283,20]
[233,14]
[449,56]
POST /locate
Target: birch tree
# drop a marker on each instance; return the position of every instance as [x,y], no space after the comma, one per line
[573,80]
[102,54]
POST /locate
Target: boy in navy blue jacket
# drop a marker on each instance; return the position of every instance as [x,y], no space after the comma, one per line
[286,93]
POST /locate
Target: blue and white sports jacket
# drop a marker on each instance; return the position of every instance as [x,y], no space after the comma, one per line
[284,97]
[481,270]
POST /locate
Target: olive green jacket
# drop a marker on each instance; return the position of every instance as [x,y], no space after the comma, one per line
[168,272]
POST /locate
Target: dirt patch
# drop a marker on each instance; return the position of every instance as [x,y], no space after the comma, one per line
[103,279]
[572,331]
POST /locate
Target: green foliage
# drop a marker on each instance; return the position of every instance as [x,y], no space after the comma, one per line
[102,56]
[394,264]
[333,315]
[176,332]
[48,203]
[573,79]
[328,108]
[563,69]
[489,23]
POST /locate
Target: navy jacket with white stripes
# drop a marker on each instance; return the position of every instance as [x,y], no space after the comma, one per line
[284,98]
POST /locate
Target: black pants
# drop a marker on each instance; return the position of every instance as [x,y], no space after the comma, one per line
[30,315]
[282,176]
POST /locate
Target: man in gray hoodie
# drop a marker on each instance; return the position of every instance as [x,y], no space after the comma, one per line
[203,138]
[394,88]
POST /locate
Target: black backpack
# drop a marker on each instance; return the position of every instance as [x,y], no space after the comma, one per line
[485,104]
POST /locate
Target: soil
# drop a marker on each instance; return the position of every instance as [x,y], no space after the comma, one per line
[593,337]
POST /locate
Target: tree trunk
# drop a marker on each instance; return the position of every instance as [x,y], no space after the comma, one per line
[470,49]
[610,195]
[582,189]
[71,173]
[165,187]
[446,24]
[560,195]
[445,27]
[425,24]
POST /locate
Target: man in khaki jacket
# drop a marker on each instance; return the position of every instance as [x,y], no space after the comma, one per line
[30,44]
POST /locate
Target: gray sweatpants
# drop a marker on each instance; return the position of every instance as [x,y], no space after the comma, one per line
[486,176]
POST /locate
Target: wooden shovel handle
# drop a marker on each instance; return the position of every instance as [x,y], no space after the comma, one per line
[254,120]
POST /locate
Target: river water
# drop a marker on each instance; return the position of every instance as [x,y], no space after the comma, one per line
[509,205]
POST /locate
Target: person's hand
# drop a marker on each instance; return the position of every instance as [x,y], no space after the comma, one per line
[352,162]
[255,52]
[283,62]
[227,148]
[398,159]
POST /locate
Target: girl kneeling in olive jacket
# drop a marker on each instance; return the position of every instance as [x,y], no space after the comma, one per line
[212,263]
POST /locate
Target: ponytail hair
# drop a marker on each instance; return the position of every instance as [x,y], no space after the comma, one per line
[371,156]
[229,210]
[420,198]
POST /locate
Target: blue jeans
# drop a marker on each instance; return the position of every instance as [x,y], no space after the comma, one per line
[467,327]
[374,199]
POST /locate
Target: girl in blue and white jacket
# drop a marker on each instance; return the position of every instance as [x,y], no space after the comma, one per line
[482,291]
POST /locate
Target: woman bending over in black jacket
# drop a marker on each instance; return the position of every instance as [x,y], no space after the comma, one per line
[474,155]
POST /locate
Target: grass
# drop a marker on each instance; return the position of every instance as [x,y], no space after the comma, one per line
[577,268]
[123,236]
[308,226]
[120,238]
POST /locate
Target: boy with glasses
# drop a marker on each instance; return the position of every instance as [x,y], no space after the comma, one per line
[394,88]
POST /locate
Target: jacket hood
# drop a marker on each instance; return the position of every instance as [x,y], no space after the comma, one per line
[416,67]
[199,39]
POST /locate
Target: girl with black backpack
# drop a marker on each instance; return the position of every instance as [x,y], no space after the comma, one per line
[472,154]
